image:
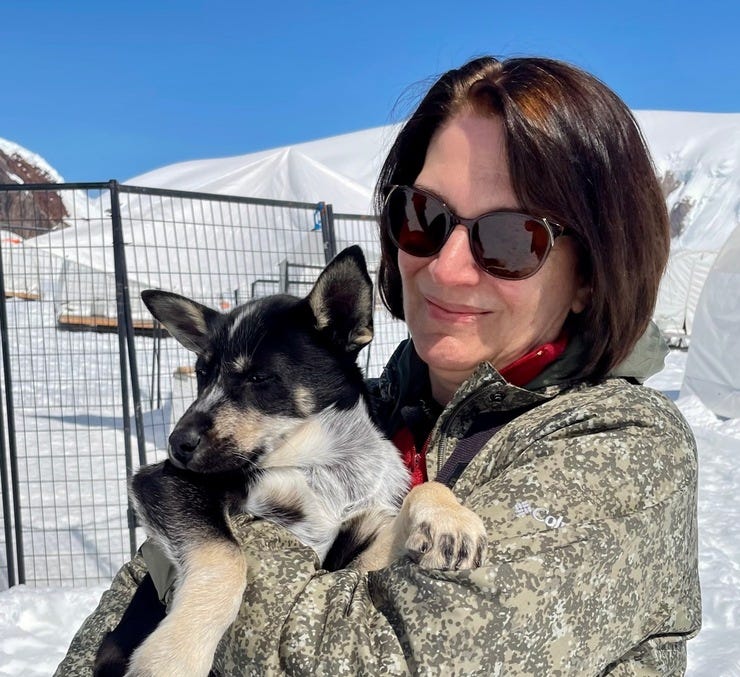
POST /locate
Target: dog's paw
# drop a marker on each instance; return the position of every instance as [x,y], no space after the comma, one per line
[442,534]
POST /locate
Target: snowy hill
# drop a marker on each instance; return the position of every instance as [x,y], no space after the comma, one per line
[21,212]
[30,167]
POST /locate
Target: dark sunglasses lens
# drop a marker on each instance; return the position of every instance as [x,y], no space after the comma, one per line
[510,245]
[417,222]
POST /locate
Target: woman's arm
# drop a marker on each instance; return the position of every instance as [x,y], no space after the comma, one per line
[591,563]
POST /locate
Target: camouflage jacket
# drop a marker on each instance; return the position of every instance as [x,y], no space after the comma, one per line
[589,497]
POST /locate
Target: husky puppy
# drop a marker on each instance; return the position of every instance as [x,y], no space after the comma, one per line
[281,430]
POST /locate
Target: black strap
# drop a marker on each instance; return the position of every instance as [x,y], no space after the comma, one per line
[483,429]
[465,451]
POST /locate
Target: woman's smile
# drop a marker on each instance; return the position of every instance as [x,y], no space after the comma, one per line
[445,311]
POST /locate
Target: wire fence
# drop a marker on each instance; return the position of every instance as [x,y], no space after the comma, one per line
[91,385]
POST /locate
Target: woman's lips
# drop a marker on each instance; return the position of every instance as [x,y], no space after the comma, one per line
[452,312]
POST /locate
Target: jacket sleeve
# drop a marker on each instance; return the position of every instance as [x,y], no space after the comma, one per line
[592,569]
[84,646]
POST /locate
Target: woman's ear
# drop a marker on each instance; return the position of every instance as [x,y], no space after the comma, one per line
[581,298]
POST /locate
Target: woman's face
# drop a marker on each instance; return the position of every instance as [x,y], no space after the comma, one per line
[459,315]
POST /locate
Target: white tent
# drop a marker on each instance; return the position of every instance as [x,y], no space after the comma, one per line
[679,293]
[340,169]
[207,250]
[712,368]
[186,244]
[695,153]
[697,156]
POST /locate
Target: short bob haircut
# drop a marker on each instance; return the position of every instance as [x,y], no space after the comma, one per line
[576,155]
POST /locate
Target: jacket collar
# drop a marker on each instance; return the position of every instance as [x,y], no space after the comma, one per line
[406,377]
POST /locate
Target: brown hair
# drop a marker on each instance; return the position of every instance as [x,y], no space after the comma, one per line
[576,154]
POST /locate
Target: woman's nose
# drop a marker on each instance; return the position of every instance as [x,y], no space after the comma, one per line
[454,264]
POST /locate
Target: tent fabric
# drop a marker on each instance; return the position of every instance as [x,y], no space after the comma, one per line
[27,273]
[712,369]
[340,169]
[182,245]
[680,289]
[697,156]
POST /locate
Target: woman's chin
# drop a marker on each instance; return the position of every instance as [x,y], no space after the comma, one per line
[449,355]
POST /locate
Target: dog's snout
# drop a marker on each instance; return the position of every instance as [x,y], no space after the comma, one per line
[183,444]
[185,440]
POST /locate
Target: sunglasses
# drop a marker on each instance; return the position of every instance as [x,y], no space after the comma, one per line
[508,245]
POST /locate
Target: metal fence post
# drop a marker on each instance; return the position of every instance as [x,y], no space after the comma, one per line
[127,349]
[4,343]
[284,283]
[326,212]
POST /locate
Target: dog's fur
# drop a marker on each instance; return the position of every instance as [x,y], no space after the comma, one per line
[280,429]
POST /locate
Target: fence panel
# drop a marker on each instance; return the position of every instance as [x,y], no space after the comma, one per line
[62,390]
[73,420]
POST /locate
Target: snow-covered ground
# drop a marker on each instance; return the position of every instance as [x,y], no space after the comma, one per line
[36,624]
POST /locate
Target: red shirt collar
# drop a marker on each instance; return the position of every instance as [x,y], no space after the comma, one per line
[529,366]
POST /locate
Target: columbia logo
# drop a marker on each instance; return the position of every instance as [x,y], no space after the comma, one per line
[524,508]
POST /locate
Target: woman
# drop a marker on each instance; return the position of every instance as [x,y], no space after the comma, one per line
[524,236]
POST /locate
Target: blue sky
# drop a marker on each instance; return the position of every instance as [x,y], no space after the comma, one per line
[113,91]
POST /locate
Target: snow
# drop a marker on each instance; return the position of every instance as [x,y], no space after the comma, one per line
[37,624]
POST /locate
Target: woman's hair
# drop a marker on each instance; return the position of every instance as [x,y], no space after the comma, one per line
[576,155]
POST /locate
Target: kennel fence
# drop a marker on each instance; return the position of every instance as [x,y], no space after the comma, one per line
[91,385]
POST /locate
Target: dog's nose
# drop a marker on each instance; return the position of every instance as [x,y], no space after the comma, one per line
[183,443]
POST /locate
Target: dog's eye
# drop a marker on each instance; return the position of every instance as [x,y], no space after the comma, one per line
[259,377]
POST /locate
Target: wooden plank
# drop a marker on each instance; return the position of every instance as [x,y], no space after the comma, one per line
[23,295]
[104,324]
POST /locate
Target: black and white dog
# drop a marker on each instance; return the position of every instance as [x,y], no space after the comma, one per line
[281,430]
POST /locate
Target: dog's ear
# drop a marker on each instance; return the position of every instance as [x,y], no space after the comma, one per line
[188,322]
[342,300]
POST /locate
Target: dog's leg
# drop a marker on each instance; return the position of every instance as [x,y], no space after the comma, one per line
[205,603]
[433,529]
[186,514]
[354,537]
[284,496]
